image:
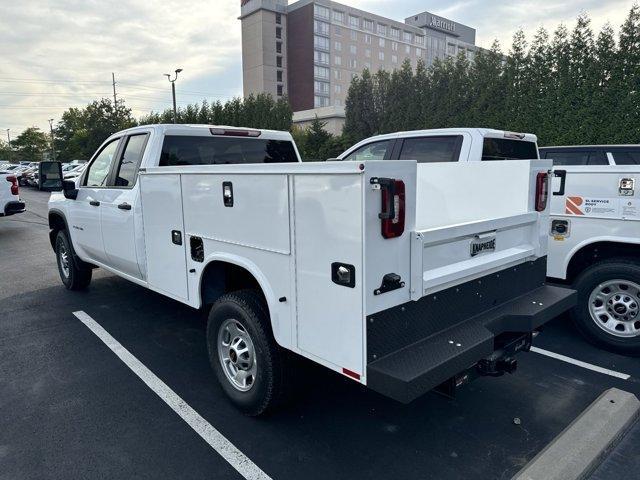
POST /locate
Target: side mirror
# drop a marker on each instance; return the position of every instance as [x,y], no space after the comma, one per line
[50,176]
[69,189]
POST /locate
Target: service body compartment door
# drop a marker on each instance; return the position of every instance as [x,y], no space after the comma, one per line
[165,242]
[328,230]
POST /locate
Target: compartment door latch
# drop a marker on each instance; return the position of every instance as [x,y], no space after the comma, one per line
[391,281]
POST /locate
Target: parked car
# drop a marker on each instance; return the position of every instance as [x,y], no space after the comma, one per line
[594,230]
[10,202]
[401,276]
[74,172]
[593,154]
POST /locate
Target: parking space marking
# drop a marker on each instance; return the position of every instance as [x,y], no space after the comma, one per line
[209,434]
[580,363]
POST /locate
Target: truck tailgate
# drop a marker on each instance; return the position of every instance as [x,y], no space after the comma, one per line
[447,256]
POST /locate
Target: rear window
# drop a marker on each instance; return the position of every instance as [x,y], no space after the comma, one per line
[566,157]
[507,149]
[431,149]
[627,157]
[184,150]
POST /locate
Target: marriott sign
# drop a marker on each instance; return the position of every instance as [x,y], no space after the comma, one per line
[442,24]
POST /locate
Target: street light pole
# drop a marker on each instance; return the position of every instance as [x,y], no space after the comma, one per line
[9,143]
[53,148]
[173,92]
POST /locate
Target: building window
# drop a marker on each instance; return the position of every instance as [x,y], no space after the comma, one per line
[381,56]
[395,32]
[337,74]
[321,12]
[354,35]
[320,27]
[278,32]
[279,75]
[367,53]
[279,90]
[338,30]
[321,42]
[321,72]
[354,21]
[353,49]
[381,42]
[279,18]
[338,102]
[407,49]
[367,24]
[394,46]
[338,46]
[382,29]
[407,37]
[338,16]
[279,61]
[367,38]
[419,40]
[451,49]
[321,57]
[321,101]
[418,52]
[337,60]
[353,63]
[337,89]
[321,87]
[278,47]
[394,59]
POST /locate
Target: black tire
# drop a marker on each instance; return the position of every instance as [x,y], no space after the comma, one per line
[269,387]
[77,274]
[590,279]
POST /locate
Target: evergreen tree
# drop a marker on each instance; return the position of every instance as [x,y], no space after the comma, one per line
[628,79]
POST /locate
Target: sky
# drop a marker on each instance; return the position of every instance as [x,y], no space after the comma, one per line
[59,54]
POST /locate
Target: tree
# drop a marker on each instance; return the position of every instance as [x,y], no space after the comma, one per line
[5,151]
[627,78]
[31,144]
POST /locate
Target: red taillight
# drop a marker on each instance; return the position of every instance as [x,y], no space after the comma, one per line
[228,132]
[542,191]
[15,188]
[393,227]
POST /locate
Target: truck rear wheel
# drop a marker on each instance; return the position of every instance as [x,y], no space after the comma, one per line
[608,309]
[249,365]
[74,275]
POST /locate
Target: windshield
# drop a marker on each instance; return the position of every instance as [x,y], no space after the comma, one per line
[507,149]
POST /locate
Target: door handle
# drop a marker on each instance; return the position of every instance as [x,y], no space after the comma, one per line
[95,203]
[124,206]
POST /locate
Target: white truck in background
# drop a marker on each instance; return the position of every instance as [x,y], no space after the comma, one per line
[595,240]
[595,217]
[401,276]
[10,202]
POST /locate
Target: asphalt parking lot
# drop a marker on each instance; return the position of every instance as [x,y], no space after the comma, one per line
[72,409]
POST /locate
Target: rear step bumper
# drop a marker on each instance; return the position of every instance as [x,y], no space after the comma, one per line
[413,370]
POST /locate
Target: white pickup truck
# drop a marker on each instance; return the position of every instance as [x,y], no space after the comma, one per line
[595,240]
[401,276]
[595,217]
[10,202]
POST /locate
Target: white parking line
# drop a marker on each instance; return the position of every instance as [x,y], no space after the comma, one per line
[209,434]
[580,363]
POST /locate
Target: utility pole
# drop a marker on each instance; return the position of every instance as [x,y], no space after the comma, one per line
[115,97]
[173,92]
[53,148]
[9,143]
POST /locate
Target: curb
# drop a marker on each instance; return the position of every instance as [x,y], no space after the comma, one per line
[580,448]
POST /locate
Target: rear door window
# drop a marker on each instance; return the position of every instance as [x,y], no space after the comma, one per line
[185,150]
[508,149]
[131,157]
[370,151]
[627,157]
[573,157]
[431,149]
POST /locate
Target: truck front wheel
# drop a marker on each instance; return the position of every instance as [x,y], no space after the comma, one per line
[249,365]
[74,275]
[608,309]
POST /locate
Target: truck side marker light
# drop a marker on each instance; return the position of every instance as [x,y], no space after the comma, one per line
[351,374]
